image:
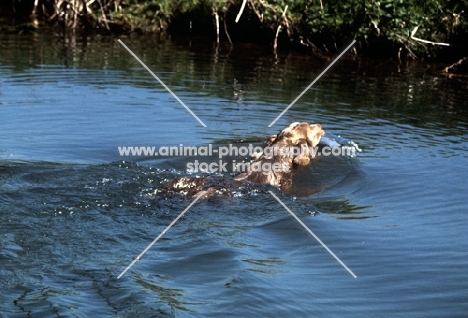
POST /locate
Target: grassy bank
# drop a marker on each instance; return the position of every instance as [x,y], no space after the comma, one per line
[401,29]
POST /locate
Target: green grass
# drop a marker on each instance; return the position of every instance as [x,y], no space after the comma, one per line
[393,27]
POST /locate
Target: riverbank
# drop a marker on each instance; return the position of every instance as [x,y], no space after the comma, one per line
[74,213]
[409,30]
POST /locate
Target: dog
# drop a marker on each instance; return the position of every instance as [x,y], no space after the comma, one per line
[288,148]
[274,166]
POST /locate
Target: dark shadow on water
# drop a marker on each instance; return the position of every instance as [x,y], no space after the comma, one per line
[343,209]
[168,295]
[331,173]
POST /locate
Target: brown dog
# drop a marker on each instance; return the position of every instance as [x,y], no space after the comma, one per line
[282,152]
[290,147]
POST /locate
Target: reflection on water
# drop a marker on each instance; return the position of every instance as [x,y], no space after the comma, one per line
[74,213]
[168,295]
[344,209]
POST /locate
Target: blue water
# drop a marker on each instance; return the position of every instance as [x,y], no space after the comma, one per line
[74,213]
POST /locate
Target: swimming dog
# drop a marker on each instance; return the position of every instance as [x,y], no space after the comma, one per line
[290,148]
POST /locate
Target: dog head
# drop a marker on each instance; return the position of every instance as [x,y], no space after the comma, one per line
[298,134]
[289,147]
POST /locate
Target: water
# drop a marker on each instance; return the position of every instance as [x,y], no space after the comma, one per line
[74,213]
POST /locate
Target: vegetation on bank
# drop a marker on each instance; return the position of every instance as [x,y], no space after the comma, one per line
[400,28]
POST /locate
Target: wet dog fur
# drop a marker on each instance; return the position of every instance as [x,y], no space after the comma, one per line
[297,135]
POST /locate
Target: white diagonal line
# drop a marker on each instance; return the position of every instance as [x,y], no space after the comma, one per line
[311,84]
[161,82]
[312,233]
[162,233]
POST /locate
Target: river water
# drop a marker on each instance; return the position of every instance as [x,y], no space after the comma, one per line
[74,212]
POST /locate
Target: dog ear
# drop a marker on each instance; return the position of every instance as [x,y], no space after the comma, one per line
[303,158]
